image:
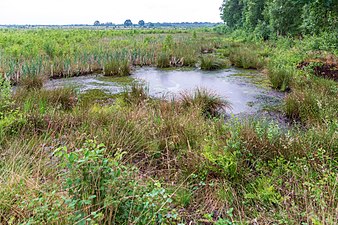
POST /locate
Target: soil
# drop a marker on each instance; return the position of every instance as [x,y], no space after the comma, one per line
[326,67]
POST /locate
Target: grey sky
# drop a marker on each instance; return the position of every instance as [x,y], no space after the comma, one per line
[116,11]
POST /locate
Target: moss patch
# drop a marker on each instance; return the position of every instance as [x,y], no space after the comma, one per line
[257,79]
[97,96]
[125,80]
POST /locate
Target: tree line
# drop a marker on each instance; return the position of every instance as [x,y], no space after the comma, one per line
[281,17]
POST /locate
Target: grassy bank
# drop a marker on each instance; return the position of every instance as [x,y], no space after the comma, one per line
[67,158]
[59,53]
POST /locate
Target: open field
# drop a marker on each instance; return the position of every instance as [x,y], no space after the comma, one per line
[94,158]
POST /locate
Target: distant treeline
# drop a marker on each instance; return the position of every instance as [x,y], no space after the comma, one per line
[128,23]
[281,17]
[141,23]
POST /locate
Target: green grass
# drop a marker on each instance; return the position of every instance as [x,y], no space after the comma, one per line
[139,160]
[62,53]
[211,62]
[117,68]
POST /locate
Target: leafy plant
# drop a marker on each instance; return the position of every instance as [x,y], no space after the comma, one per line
[101,189]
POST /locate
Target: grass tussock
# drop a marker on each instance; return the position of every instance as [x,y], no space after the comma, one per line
[247,57]
[117,68]
[211,62]
[32,82]
[209,103]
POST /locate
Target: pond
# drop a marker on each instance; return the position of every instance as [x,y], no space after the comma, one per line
[243,88]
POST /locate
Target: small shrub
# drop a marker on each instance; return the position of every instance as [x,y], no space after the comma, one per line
[262,191]
[102,190]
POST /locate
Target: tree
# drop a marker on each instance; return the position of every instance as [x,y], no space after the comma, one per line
[128,23]
[281,17]
[285,16]
[320,15]
[141,23]
[253,13]
[97,23]
[231,13]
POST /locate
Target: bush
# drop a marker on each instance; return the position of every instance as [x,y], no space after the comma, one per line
[102,190]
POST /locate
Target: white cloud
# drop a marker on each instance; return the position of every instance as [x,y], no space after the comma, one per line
[86,11]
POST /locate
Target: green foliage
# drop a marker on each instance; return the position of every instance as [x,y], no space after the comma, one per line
[5,95]
[100,189]
[231,13]
[165,161]
[280,17]
[11,120]
[60,53]
[264,192]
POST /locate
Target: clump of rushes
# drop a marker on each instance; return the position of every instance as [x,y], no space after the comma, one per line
[209,103]
[247,58]
[163,60]
[280,76]
[61,98]
[211,62]
[117,68]
[137,94]
[32,82]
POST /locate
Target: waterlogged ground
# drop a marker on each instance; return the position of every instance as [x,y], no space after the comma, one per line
[247,90]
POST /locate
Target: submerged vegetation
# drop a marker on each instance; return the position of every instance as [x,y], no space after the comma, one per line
[95,158]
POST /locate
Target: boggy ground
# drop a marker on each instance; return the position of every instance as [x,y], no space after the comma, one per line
[86,159]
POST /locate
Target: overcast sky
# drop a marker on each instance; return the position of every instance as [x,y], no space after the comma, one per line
[116,11]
